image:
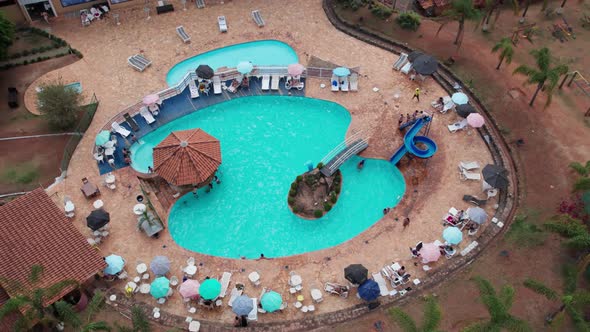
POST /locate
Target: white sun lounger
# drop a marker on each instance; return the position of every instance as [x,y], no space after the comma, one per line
[406,68]
[354,82]
[274,84]
[138,62]
[457,126]
[466,175]
[222,23]
[335,83]
[200,4]
[182,34]
[382,284]
[235,293]
[216,85]
[121,130]
[193,89]
[253,315]
[469,165]
[147,115]
[225,279]
[398,64]
[257,18]
[344,84]
[265,82]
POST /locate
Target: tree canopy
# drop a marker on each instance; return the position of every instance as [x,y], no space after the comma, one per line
[59,104]
[6,35]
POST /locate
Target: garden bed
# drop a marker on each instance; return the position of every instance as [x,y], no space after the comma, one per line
[312,194]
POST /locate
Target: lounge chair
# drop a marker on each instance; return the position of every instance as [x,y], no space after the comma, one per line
[398,64]
[182,34]
[225,280]
[131,122]
[193,89]
[274,83]
[222,23]
[143,60]
[466,175]
[335,83]
[291,83]
[474,200]
[235,293]
[95,12]
[457,126]
[492,193]
[147,115]
[85,17]
[382,284]
[216,85]
[104,9]
[257,18]
[253,315]
[337,289]
[119,129]
[344,84]
[233,87]
[138,62]
[354,82]
[265,82]
[200,4]
[469,165]
[406,68]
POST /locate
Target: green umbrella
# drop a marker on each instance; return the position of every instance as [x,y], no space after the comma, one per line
[160,287]
[271,301]
[102,137]
[210,289]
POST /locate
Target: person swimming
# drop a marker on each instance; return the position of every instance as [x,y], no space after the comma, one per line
[361,164]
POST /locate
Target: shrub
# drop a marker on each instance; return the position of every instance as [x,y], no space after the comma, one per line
[291,200]
[6,35]
[299,178]
[327,206]
[292,192]
[337,188]
[320,165]
[24,173]
[381,11]
[26,62]
[26,52]
[294,186]
[409,20]
[333,198]
[296,209]
[318,213]
[353,4]
[59,105]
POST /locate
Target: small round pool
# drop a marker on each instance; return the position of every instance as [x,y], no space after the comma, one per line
[260,53]
[265,143]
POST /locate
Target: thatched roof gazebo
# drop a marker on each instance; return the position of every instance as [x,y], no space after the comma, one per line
[187,158]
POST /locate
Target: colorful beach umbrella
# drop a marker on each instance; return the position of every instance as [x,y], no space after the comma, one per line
[245,67]
[295,69]
[271,301]
[475,120]
[102,137]
[341,71]
[477,215]
[430,252]
[452,235]
[369,290]
[115,264]
[160,265]
[151,99]
[356,273]
[459,98]
[189,289]
[210,289]
[242,305]
[160,287]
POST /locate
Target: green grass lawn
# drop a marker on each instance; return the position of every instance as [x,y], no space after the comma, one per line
[22,173]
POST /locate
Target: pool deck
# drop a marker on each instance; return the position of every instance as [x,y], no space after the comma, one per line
[433,185]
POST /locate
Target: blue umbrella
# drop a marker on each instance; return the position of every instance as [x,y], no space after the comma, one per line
[242,305]
[341,71]
[160,265]
[160,287]
[369,290]
[115,264]
[244,67]
[452,235]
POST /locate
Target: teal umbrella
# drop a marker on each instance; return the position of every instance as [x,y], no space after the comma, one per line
[102,137]
[244,67]
[271,301]
[160,287]
[452,235]
[115,264]
[341,71]
[210,289]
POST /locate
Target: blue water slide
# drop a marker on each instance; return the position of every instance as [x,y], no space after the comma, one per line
[410,141]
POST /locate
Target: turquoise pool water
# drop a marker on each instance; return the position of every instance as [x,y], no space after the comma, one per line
[76,86]
[260,53]
[265,143]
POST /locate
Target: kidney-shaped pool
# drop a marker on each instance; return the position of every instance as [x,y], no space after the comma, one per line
[265,143]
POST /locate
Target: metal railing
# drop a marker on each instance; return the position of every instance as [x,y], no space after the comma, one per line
[358,145]
[334,152]
[80,129]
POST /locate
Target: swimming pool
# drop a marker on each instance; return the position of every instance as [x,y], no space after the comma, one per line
[260,53]
[265,143]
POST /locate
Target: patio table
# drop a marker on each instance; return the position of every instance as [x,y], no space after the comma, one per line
[144,288]
[190,270]
[139,209]
[109,178]
[254,276]
[141,268]
[89,189]
[296,280]
[98,204]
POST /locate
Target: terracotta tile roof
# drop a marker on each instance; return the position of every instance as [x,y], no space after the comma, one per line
[36,232]
[187,157]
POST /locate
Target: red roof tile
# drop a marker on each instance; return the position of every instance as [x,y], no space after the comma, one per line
[187,157]
[36,232]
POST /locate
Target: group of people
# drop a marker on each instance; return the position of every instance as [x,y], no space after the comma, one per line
[409,118]
[209,186]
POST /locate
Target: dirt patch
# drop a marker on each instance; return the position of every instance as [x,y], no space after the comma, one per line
[313,192]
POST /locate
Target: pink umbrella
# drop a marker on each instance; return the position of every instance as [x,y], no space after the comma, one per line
[295,69]
[189,289]
[475,120]
[430,252]
[151,99]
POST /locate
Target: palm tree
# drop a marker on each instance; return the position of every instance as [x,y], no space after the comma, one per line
[578,237]
[498,306]
[139,322]
[507,51]
[94,306]
[31,301]
[543,73]
[430,322]
[583,182]
[572,300]
[460,11]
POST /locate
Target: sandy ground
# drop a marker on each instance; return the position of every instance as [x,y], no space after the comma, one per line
[104,71]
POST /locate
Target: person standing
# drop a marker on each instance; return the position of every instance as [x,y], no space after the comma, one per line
[406,222]
[416,94]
